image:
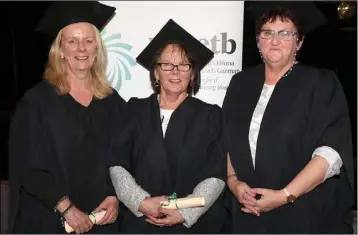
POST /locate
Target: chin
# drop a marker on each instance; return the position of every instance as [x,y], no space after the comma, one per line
[83,68]
[274,60]
[174,91]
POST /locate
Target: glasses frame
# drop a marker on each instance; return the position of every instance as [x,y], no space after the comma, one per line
[174,66]
[278,33]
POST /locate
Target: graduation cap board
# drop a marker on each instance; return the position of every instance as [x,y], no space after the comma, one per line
[308,15]
[62,13]
[174,33]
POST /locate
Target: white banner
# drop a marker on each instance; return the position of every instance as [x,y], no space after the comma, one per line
[218,25]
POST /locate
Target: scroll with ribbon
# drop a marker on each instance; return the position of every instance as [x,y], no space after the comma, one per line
[181,203]
[94,217]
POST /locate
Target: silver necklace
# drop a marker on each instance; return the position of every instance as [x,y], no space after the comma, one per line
[289,71]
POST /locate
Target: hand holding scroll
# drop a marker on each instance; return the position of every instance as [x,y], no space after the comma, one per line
[110,205]
[170,217]
[150,206]
[77,221]
[93,217]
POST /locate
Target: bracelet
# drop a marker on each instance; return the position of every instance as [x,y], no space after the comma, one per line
[94,217]
[58,203]
[231,175]
[65,212]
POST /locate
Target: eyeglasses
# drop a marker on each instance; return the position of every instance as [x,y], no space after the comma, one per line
[170,67]
[282,34]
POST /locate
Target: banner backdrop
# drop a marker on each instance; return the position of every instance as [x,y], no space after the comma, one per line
[218,25]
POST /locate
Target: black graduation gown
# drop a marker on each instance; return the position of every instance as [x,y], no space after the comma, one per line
[57,135]
[190,153]
[306,110]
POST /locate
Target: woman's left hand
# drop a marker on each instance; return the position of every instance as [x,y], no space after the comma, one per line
[110,204]
[171,217]
[270,199]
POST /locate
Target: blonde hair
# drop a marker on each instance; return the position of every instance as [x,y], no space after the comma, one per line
[55,70]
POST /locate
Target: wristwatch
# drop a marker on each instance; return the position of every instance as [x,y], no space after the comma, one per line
[290,198]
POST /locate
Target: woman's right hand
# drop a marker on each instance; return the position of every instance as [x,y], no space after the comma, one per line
[79,221]
[150,206]
[245,196]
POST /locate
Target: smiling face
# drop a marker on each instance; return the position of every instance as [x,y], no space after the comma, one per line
[276,51]
[78,47]
[174,81]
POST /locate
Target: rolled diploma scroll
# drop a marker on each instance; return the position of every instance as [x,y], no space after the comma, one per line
[185,202]
[94,217]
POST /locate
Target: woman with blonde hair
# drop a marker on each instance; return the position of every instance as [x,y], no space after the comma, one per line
[58,135]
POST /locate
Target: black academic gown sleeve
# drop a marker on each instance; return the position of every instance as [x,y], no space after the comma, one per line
[121,136]
[215,164]
[330,118]
[42,185]
[29,156]
[330,126]
[116,119]
[37,179]
[39,183]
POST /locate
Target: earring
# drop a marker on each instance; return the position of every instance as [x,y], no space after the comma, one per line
[62,57]
[156,83]
[262,58]
[295,58]
[192,84]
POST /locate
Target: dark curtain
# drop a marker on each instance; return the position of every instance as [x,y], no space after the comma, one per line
[24,54]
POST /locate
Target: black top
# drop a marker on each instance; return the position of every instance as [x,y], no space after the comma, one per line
[306,110]
[190,153]
[63,147]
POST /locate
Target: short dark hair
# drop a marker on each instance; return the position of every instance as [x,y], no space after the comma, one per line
[191,59]
[282,14]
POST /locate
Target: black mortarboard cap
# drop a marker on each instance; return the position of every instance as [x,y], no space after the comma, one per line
[308,15]
[174,33]
[62,13]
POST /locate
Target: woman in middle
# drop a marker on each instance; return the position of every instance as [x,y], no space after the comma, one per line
[170,143]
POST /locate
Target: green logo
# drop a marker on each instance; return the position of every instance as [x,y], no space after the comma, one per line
[119,59]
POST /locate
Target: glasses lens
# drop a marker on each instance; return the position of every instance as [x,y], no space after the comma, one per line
[184,67]
[285,35]
[166,66]
[266,34]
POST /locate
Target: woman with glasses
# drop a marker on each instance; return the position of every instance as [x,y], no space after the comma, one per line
[171,143]
[288,135]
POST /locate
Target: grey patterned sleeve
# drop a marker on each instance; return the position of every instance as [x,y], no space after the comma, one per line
[211,189]
[127,189]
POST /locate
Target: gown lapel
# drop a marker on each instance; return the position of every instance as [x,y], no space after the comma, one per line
[151,129]
[246,98]
[176,140]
